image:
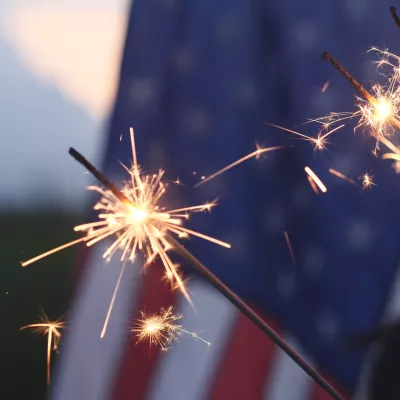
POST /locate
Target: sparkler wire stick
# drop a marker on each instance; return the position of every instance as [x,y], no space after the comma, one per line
[98,175]
[360,88]
[394,15]
[253,316]
[223,289]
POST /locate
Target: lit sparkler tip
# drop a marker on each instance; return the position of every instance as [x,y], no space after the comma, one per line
[135,218]
[161,329]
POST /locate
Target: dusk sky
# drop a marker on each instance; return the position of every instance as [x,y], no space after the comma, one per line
[58,75]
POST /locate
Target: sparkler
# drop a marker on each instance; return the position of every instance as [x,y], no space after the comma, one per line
[289,245]
[135,216]
[52,330]
[166,242]
[161,329]
[380,110]
[314,187]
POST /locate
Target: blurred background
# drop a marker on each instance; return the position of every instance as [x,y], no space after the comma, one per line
[58,75]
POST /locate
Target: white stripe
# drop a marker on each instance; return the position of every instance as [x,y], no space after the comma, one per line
[88,363]
[391,313]
[287,380]
[186,370]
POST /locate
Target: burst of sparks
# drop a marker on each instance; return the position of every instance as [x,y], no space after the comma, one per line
[257,153]
[368,181]
[161,329]
[138,221]
[342,176]
[315,179]
[52,330]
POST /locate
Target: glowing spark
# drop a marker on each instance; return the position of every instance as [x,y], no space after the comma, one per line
[255,153]
[178,182]
[396,167]
[325,87]
[315,179]
[379,110]
[367,181]
[136,218]
[320,142]
[161,329]
[314,187]
[289,247]
[391,156]
[341,176]
[52,330]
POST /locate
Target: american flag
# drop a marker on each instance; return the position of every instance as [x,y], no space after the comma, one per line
[197,80]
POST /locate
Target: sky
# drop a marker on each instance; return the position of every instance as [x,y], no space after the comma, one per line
[58,76]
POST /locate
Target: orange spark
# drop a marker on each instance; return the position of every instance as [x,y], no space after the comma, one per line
[341,176]
[325,87]
[290,247]
[52,330]
[315,179]
[161,329]
[255,153]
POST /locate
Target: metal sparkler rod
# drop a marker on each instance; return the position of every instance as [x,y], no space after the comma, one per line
[394,15]
[357,85]
[98,175]
[254,317]
[222,288]
[364,92]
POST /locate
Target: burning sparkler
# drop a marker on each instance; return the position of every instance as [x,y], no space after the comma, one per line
[379,110]
[161,329]
[52,330]
[136,217]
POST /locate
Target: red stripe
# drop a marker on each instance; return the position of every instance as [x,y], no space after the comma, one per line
[320,394]
[139,361]
[245,364]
